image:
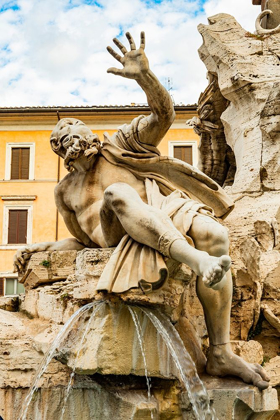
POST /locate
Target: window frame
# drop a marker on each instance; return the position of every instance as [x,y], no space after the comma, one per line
[7,208]
[192,143]
[8,276]
[9,147]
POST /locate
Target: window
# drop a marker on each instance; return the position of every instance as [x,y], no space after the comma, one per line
[20,161]
[184,150]
[17,227]
[184,153]
[9,286]
[17,223]
[13,287]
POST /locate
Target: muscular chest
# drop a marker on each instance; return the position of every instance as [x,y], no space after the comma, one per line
[86,190]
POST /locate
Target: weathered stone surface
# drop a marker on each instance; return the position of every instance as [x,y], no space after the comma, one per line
[89,400]
[273,370]
[272,319]
[19,358]
[251,351]
[9,303]
[48,267]
[272,20]
[255,269]
[80,287]
[111,345]
[216,158]
[232,399]
[89,267]
[53,303]
[265,234]
[248,77]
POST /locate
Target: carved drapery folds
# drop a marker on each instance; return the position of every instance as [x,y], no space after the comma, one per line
[216,158]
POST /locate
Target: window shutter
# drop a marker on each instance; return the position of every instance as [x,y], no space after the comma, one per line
[25,153]
[184,153]
[12,230]
[17,231]
[22,226]
[20,163]
[1,287]
[15,163]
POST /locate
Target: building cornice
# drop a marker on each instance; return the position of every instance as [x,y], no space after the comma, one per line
[96,117]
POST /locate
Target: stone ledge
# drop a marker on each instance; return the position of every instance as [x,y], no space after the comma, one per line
[83,270]
[48,267]
[233,399]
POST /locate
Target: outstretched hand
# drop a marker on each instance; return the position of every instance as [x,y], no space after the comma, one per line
[135,62]
[21,257]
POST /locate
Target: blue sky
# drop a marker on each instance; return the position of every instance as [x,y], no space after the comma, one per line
[53,52]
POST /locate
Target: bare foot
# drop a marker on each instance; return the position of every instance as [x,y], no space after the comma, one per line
[213,269]
[222,361]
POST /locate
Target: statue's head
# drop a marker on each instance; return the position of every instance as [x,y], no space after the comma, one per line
[71,139]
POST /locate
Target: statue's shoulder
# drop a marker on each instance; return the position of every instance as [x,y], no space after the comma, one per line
[63,184]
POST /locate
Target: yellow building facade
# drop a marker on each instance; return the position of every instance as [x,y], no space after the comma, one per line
[27,210]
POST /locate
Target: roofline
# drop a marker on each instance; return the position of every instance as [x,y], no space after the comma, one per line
[87,109]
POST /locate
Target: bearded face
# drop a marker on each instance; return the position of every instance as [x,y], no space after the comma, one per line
[72,139]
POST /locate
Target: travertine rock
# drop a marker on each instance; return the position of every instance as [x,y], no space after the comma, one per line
[233,399]
[251,351]
[265,234]
[9,303]
[110,348]
[19,359]
[255,265]
[88,399]
[56,303]
[248,77]
[91,262]
[273,370]
[48,267]
[111,345]
[272,319]
[216,158]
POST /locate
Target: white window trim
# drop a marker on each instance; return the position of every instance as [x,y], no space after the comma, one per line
[8,275]
[192,143]
[15,286]
[29,209]
[9,147]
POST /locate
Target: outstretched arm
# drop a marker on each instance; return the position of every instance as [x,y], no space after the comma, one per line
[136,66]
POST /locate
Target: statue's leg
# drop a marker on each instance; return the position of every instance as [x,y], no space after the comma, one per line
[210,236]
[124,211]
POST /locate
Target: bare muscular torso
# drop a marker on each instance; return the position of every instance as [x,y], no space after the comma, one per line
[79,197]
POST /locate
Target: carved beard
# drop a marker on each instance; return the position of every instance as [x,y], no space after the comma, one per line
[86,148]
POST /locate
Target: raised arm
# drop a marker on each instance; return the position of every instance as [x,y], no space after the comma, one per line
[136,66]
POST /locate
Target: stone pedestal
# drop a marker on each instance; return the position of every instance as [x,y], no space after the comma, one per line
[110,377]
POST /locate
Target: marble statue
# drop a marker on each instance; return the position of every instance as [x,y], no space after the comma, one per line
[121,193]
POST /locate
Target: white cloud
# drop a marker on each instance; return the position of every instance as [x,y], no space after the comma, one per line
[54,53]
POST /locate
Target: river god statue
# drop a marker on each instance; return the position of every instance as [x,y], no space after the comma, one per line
[121,193]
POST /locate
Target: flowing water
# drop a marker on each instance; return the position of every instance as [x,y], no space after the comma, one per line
[141,344]
[186,368]
[183,362]
[51,353]
[95,310]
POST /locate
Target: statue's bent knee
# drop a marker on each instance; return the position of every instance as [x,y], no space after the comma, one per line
[218,237]
[114,197]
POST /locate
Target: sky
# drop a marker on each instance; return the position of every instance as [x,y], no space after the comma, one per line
[53,52]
